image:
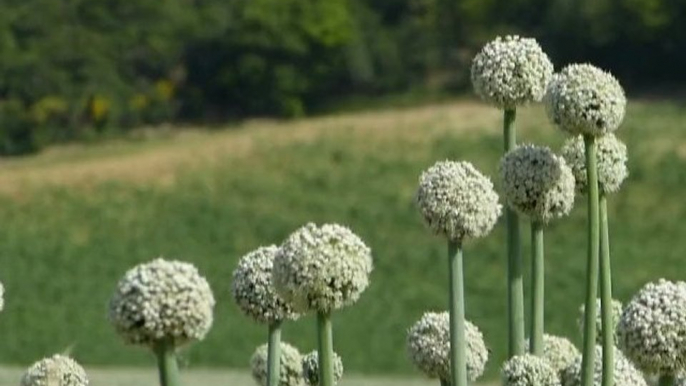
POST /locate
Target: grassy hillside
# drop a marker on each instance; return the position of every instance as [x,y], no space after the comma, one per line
[74,219]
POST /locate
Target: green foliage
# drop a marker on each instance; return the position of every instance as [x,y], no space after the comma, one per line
[63,249]
[81,68]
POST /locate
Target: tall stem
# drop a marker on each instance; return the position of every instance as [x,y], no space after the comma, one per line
[537,288]
[166,363]
[666,380]
[588,360]
[607,324]
[325,335]
[515,283]
[274,354]
[458,349]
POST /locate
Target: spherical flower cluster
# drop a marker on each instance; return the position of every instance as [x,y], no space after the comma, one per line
[253,291]
[559,351]
[537,183]
[611,160]
[616,307]
[457,201]
[511,71]
[310,368]
[652,328]
[162,300]
[625,373]
[290,370]
[529,370]
[322,268]
[57,370]
[428,345]
[583,99]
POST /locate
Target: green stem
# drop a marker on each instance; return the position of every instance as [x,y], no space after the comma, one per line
[325,335]
[458,349]
[444,383]
[666,380]
[166,363]
[274,354]
[515,286]
[588,360]
[607,325]
[537,288]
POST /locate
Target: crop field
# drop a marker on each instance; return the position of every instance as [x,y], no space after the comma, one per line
[75,218]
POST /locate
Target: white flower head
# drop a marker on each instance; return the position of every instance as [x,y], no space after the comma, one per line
[511,71]
[537,183]
[58,370]
[253,290]
[290,371]
[652,328]
[428,346]
[311,368]
[457,201]
[322,268]
[559,351]
[583,99]
[625,373]
[616,307]
[611,160]
[529,370]
[162,301]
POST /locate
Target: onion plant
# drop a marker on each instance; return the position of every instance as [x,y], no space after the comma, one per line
[58,370]
[253,291]
[321,269]
[652,330]
[510,72]
[584,100]
[428,346]
[540,185]
[458,203]
[162,305]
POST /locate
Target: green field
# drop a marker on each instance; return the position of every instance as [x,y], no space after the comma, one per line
[75,218]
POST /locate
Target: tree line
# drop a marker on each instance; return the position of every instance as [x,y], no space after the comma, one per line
[79,69]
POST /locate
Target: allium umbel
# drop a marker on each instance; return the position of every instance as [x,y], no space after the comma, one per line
[625,374]
[322,268]
[162,300]
[652,328]
[253,290]
[559,351]
[428,346]
[537,183]
[290,373]
[58,370]
[310,363]
[457,201]
[612,159]
[583,99]
[511,71]
[529,370]
[616,314]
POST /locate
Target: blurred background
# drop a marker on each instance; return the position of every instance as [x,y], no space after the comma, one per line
[202,129]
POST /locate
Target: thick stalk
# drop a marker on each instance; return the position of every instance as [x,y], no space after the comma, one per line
[274,354]
[458,349]
[607,324]
[515,283]
[325,335]
[537,288]
[666,380]
[166,363]
[588,360]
